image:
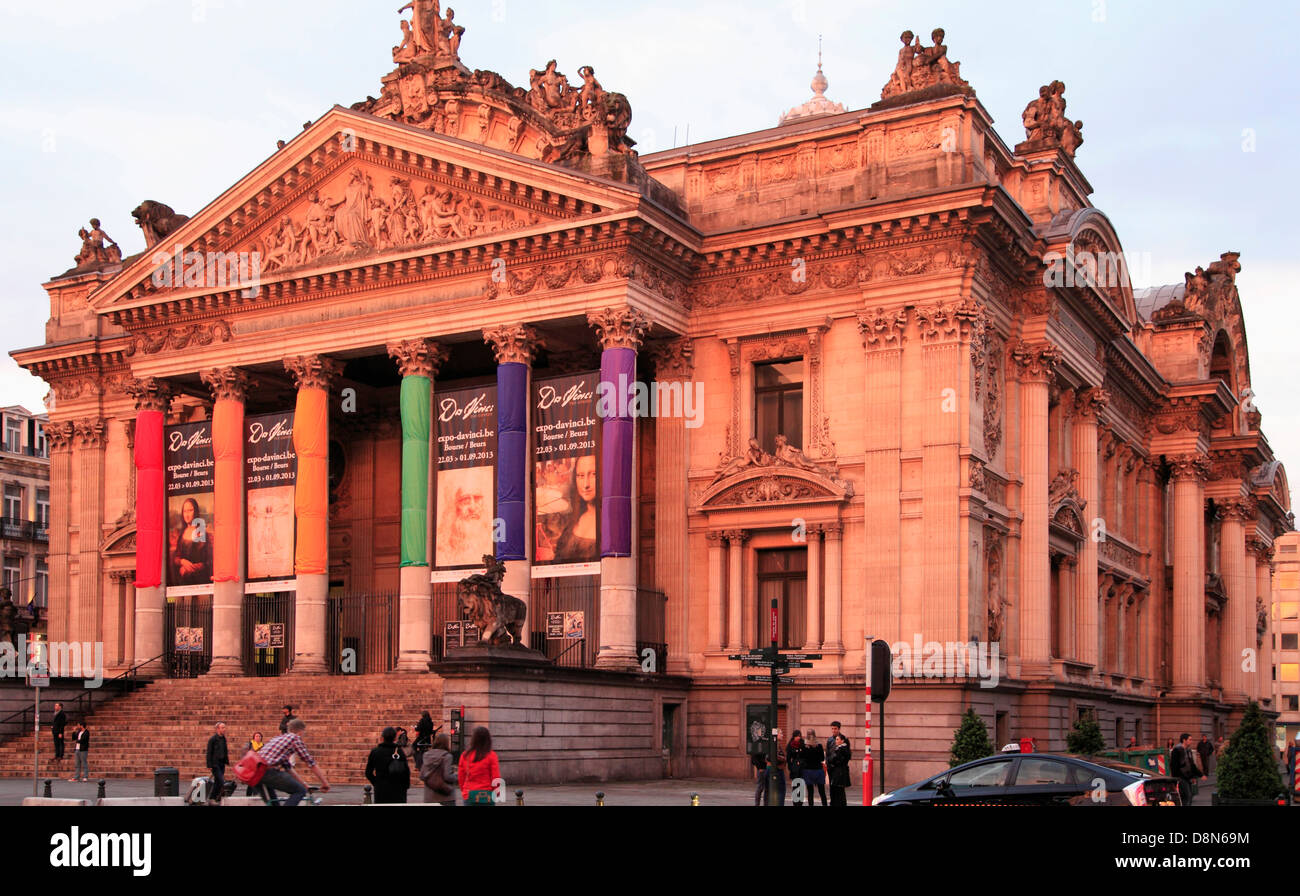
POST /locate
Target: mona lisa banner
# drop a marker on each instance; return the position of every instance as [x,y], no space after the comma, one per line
[566,504]
[270,472]
[191,470]
[466,421]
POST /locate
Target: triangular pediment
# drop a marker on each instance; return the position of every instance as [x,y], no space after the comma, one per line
[351,189]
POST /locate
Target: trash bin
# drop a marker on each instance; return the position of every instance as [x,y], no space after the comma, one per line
[166,782]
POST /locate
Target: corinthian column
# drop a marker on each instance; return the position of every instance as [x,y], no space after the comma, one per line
[717,607]
[152,398]
[418,360]
[736,539]
[312,375]
[1088,405]
[1238,632]
[1037,365]
[621,332]
[1188,674]
[1263,679]
[514,347]
[673,364]
[229,385]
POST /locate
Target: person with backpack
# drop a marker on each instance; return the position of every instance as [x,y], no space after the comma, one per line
[438,772]
[387,769]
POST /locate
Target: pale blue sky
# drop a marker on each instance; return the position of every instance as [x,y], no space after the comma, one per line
[105,104]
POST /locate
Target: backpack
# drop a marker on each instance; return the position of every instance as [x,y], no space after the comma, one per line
[397,767]
[250,769]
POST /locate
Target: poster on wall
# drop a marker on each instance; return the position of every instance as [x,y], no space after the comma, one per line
[270,472]
[190,469]
[567,500]
[188,640]
[464,479]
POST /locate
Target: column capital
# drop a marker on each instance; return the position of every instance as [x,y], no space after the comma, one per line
[1262,550]
[1187,467]
[313,371]
[418,357]
[619,327]
[227,383]
[89,432]
[1037,361]
[120,576]
[736,536]
[674,359]
[1089,403]
[59,435]
[714,539]
[834,531]
[150,394]
[883,329]
[1239,511]
[514,343]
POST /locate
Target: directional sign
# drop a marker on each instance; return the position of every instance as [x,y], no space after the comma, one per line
[743,657]
[38,675]
[773,663]
[767,679]
[800,657]
[765,651]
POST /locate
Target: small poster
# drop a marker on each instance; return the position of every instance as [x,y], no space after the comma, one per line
[189,640]
[459,634]
[567,625]
[554,626]
[268,635]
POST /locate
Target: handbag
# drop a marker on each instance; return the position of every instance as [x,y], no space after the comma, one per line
[250,769]
[431,774]
[480,798]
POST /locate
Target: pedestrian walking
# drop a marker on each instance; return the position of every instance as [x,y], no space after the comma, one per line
[58,725]
[81,753]
[218,757]
[1183,767]
[479,770]
[423,738]
[387,769]
[1205,750]
[814,767]
[438,773]
[837,766]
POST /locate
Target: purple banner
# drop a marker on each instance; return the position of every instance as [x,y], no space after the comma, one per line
[512,458]
[617,366]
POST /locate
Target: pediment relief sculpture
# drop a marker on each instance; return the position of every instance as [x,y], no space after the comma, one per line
[787,472]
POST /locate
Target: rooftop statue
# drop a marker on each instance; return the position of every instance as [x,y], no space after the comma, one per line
[1046,125]
[428,33]
[922,68]
[96,246]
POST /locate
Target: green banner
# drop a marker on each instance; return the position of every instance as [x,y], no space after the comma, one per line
[416,405]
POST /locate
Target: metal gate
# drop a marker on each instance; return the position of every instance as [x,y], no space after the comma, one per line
[188,624]
[361,633]
[267,632]
[569,595]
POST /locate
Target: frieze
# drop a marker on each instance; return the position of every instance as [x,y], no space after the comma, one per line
[519,280]
[196,335]
[1118,555]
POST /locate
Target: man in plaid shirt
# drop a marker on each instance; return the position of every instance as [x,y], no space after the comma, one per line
[279,774]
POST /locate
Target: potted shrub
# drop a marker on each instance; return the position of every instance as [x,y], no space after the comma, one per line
[1248,773]
[1085,738]
[970,741]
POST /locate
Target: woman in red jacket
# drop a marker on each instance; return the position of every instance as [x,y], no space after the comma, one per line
[479,770]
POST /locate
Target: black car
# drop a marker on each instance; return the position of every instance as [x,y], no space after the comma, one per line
[1038,779]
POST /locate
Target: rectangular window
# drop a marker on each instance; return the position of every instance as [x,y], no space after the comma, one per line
[778,402]
[13,434]
[42,450]
[13,573]
[1289,641]
[42,508]
[783,575]
[1288,610]
[13,509]
[42,584]
[1293,703]
[1289,672]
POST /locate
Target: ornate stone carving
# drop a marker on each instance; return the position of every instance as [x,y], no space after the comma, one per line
[1243,511]
[1046,125]
[994,592]
[59,436]
[1179,415]
[1115,554]
[674,359]
[157,221]
[882,329]
[150,394]
[418,357]
[1207,290]
[93,249]
[177,338]
[993,396]
[1065,489]
[499,616]
[513,344]
[924,70]
[1037,362]
[768,490]
[89,432]
[227,383]
[1261,621]
[976,478]
[1189,466]
[313,371]
[428,36]
[736,536]
[1091,402]
[619,327]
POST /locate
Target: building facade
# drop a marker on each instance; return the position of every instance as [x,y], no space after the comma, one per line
[1286,650]
[25,526]
[895,379]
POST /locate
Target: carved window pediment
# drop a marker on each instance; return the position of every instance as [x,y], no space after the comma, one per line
[767,486]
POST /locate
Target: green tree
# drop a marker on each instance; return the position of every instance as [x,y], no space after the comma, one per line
[970,740]
[1248,769]
[1085,739]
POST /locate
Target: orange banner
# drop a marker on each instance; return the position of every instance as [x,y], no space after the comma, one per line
[311,436]
[228,452]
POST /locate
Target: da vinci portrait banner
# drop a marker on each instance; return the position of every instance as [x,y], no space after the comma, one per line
[567,500]
[464,482]
[270,473]
[191,476]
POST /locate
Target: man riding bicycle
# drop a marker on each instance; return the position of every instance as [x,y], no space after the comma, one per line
[279,775]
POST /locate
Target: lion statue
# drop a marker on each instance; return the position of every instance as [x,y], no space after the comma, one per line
[499,617]
[157,221]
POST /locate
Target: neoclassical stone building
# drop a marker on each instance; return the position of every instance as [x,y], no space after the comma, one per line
[932,409]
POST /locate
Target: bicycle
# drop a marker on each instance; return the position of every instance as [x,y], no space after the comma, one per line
[311,799]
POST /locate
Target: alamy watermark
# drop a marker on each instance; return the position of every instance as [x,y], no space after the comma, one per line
[953,659]
[64,659]
[209,270]
[1099,269]
[655,399]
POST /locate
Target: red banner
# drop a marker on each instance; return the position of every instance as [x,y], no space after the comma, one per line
[228,450]
[149,512]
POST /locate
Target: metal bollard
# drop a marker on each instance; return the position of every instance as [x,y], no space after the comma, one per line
[368,797]
[519,797]
[101,795]
[695,799]
[49,792]
[600,797]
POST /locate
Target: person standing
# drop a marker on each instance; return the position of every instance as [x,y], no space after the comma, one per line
[814,767]
[218,757]
[59,725]
[438,773]
[423,739]
[286,719]
[1183,768]
[479,769]
[387,770]
[1205,750]
[1292,754]
[81,753]
[794,759]
[254,745]
[837,766]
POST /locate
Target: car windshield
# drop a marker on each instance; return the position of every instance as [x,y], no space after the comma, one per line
[1116,765]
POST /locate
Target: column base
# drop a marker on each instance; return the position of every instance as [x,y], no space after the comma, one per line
[1035,670]
[415,662]
[308,666]
[226,667]
[618,662]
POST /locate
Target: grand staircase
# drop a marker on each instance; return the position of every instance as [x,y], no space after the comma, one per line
[168,723]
